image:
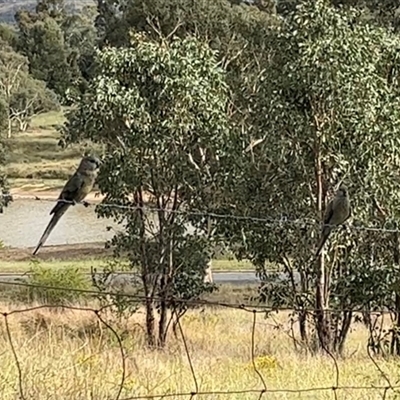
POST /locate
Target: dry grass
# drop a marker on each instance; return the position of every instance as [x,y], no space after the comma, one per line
[36,161]
[49,119]
[68,355]
[86,255]
[85,265]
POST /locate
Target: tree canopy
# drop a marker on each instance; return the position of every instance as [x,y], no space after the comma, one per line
[22,94]
[160,110]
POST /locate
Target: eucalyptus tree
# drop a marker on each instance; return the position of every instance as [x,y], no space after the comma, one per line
[324,109]
[159,108]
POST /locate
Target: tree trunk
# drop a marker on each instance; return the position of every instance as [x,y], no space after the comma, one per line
[346,324]
[322,319]
[150,336]
[165,291]
[321,301]
[162,323]
[208,278]
[303,327]
[9,128]
[23,125]
[395,343]
[148,284]
[303,314]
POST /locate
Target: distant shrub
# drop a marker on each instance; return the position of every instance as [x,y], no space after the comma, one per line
[67,278]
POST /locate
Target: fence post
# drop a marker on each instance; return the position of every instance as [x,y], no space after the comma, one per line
[208,278]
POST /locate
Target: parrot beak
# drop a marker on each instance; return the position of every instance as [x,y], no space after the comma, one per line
[98,162]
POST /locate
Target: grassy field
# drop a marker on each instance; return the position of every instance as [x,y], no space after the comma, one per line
[36,162]
[85,265]
[70,355]
[83,257]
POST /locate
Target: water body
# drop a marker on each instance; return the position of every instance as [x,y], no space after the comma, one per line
[24,221]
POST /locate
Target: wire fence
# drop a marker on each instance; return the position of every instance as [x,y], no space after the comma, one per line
[384,384]
[266,221]
[260,384]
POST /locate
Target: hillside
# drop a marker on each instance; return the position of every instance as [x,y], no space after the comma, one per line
[36,162]
[9,7]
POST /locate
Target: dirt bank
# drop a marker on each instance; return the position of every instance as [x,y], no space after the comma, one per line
[58,252]
[51,194]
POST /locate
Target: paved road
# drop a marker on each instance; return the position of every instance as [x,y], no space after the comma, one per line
[232,278]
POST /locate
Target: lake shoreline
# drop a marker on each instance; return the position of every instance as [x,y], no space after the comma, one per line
[49,194]
[17,259]
[80,236]
[60,252]
[52,194]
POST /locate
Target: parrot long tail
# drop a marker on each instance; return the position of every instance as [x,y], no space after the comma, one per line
[325,234]
[58,211]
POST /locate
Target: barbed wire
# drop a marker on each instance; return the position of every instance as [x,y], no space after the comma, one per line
[248,307]
[266,221]
[124,392]
[261,392]
[95,311]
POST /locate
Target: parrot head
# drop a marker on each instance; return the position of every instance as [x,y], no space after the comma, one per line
[90,163]
[342,191]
